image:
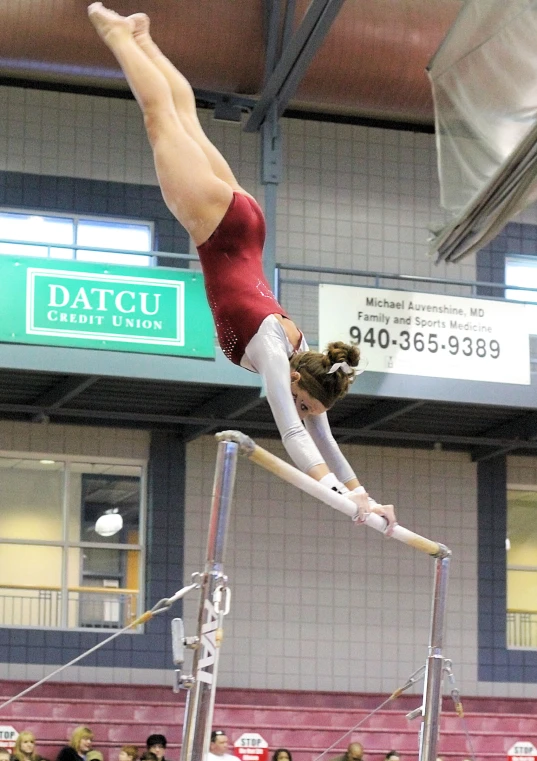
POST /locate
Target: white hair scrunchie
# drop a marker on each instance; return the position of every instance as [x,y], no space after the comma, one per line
[347,369]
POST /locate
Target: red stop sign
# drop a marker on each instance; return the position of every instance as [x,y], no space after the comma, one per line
[8,735]
[251,747]
[522,750]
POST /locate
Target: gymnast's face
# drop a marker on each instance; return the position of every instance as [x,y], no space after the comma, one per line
[305,404]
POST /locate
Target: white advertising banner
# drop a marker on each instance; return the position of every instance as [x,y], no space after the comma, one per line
[428,334]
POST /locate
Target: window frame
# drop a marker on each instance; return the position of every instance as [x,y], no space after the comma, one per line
[66,544]
[514,487]
[76,217]
[514,292]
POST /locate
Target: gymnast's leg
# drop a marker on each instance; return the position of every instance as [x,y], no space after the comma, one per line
[193,192]
[184,100]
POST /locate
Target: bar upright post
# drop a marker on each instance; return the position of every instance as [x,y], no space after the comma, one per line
[200,698]
[434,671]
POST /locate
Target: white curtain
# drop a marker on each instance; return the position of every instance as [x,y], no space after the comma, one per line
[484,80]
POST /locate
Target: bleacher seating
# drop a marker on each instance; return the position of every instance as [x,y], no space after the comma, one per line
[306,723]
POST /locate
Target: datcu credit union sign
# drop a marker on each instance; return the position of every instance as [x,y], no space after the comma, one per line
[95,306]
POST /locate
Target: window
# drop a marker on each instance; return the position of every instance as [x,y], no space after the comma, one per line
[521,553]
[71,536]
[52,236]
[521,271]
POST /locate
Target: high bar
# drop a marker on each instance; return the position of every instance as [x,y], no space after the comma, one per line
[302,481]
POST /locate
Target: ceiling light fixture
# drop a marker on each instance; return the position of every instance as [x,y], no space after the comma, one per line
[109,523]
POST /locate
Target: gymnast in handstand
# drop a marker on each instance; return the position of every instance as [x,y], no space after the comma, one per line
[228,228]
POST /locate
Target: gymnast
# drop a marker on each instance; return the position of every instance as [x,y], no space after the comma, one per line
[228,228]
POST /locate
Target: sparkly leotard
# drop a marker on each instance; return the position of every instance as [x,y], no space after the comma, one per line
[243,308]
[237,290]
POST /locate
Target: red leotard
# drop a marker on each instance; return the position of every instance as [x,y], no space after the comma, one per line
[240,300]
[237,290]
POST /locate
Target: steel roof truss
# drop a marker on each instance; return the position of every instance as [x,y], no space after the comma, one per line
[295,59]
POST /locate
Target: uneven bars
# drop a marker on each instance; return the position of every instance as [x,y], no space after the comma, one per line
[302,481]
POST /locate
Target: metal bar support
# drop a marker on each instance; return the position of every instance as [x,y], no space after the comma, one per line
[434,671]
[200,699]
[434,668]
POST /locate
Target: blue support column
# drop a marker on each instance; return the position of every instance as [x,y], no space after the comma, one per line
[271,171]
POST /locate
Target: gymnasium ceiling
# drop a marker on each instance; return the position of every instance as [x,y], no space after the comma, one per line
[359,58]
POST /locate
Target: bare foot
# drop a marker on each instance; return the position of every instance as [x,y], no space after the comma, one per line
[141,26]
[107,22]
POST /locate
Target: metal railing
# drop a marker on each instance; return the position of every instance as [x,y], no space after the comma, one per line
[387,279]
[328,275]
[48,250]
[521,630]
[296,288]
[296,285]
[87,607]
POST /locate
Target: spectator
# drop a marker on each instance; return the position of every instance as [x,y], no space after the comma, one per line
[128,753]
[148,755]
[94,755]
[24,749]
[219,747]
[80,744]
[391,755]
[157,744]
[282,754]
[355,752]
[5,755]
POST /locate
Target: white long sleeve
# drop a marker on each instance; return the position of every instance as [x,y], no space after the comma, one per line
[319,429]
[268,354]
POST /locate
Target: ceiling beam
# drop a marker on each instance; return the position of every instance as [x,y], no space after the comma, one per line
[521,426]
[288,19]
[379,413]
[294,61]
[433,438]
[272,35]
[480,454]
[64,391]
[255,426]
[521,429]
[133,417]
[227,106]
[229,405]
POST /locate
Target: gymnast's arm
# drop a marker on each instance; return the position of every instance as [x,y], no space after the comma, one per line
[319,429]
[266,353]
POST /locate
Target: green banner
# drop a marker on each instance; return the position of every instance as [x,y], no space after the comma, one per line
[96,306]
